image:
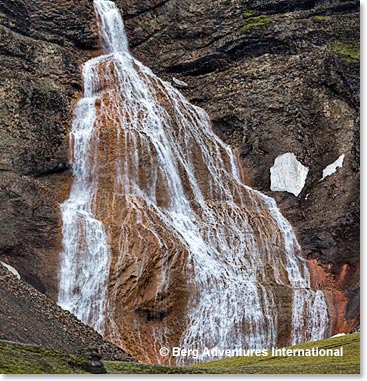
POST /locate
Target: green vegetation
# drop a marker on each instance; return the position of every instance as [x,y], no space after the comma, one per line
[321,19]
[27,359]
[348,363]
[349,50]
[248,14]
[251,21]
[117,367]
[17,358]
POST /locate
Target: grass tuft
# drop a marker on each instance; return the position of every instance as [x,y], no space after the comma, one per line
[251,21]
[321,19]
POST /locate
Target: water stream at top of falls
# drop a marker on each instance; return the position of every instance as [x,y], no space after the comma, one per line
[171,170]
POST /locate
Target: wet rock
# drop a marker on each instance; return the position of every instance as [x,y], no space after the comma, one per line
[94,362]
[179,84]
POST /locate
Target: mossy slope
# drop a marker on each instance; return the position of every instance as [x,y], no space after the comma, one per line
[27,359]
[348,363]
[17,358]
[349,50]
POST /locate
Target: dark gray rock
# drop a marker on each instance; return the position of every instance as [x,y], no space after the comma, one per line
[42,47]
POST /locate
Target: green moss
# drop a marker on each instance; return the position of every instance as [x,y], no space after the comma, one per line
[321,19]
[349,363]
[26,359]
[251,21]
[248,14]
[349,50]
[17,359]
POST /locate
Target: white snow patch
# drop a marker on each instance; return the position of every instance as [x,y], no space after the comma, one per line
[288,174]
[11,269]
[331,168]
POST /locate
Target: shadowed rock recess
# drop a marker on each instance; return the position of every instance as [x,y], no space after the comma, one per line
[274,76]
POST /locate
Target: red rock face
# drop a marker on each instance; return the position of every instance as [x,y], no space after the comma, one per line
[266,100]
[336,288]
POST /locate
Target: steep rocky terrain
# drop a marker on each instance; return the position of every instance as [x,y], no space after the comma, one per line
[275,76]
[27,316]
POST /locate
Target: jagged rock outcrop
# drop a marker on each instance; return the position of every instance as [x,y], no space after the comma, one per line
[275,76]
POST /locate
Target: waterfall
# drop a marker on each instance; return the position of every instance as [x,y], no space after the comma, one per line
[157,195]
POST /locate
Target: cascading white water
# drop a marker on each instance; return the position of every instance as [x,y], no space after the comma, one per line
[85,260]
[236,238]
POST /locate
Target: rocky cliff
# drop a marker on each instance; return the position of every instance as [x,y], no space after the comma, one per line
[42,48]
[275,76]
